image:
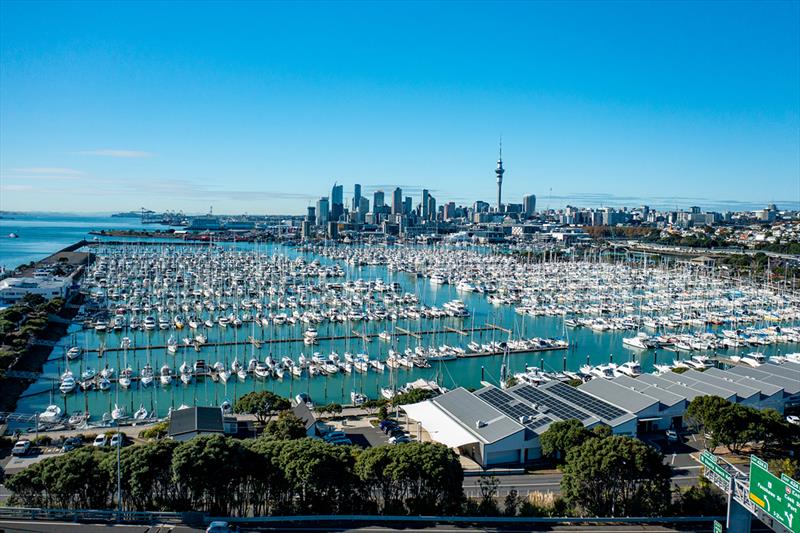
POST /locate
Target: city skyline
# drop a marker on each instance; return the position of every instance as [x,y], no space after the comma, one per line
[596,106]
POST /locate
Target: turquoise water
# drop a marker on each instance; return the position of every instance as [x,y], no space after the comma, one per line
[586,346]
[41,235]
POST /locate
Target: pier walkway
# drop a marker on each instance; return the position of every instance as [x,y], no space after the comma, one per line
[366,337]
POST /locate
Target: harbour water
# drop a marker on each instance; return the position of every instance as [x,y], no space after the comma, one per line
[586,346]
[39,235]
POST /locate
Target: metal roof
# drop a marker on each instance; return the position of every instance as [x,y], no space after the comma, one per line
[553,406]
[195,419]
[742,390]
[768,389]
[468,410]
[665,397]
[602,410]
[786,370]
[532,417]
[705,388]
[657,381]
[790,386]
[627,399]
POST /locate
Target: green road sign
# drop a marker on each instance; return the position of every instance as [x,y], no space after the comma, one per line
[778,497]
[717,527]
[709,460]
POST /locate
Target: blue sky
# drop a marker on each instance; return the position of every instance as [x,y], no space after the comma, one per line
[260,107]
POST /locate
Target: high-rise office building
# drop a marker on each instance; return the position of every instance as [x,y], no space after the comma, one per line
[377,201]
[337,202]
[431,208]
[529,204]
[311,216]
[449,210]
[323,211]
[363,208]
[426,214]
[397,201]
[407,203]
[356,197]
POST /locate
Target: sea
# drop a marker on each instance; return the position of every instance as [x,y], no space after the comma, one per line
[41,235]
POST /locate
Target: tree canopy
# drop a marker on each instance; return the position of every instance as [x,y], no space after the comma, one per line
[262,404]
[616,476]
[562,436]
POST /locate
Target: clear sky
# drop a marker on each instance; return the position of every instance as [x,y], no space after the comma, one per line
[260,107]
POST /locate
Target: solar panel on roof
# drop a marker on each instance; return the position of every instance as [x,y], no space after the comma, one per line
[539,422]
[507,404]
[562,410]
[597,407]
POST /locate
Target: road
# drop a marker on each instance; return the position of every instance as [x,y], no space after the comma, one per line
[58,527]
[527,483]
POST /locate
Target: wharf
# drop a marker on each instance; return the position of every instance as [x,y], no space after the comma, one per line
[364,336]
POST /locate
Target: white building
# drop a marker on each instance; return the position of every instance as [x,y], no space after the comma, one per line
[14,289]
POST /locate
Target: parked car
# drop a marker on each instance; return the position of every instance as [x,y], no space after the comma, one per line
[70,444]
[218,526]
[793,419]
[399,439]
[343,440]
[672,435]
[21,448]
[100,440]
[386,425]
[117,439]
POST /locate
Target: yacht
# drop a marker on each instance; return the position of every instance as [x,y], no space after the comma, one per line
[753,359]
[165,375]
[51,415]
[631,368]
[67,385]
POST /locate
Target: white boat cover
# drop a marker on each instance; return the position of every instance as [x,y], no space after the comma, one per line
[439,425]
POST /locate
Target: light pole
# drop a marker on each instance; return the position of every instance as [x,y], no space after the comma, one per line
[119,479]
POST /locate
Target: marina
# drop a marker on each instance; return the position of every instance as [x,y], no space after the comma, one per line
[166,326]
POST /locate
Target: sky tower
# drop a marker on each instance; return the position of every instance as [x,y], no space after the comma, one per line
[500,171]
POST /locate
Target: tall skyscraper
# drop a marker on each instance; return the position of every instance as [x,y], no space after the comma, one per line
[426,214]
[407,202]
[500,171]
[377,201]
[337,203]
[431,208]
[311,217]
[357,197]
[323,211]
[363,208]
[529,204]
[397,201]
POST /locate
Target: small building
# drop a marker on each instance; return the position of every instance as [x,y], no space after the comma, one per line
[302,411]
[645,408]
[13,290]
[671,408]
[185,424]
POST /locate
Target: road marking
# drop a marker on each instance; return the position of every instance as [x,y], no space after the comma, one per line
[673,458]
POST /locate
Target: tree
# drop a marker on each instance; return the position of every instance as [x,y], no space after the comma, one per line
[702,413]
[209,474]
[287,426]
[413,396]
[262,404]
[146,475]
[735,426]
[775,433]
[417,478]
[702,499]
[488,504]
[616,476]
[562,436]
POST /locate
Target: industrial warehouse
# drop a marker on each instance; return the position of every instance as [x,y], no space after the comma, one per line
[494,426]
